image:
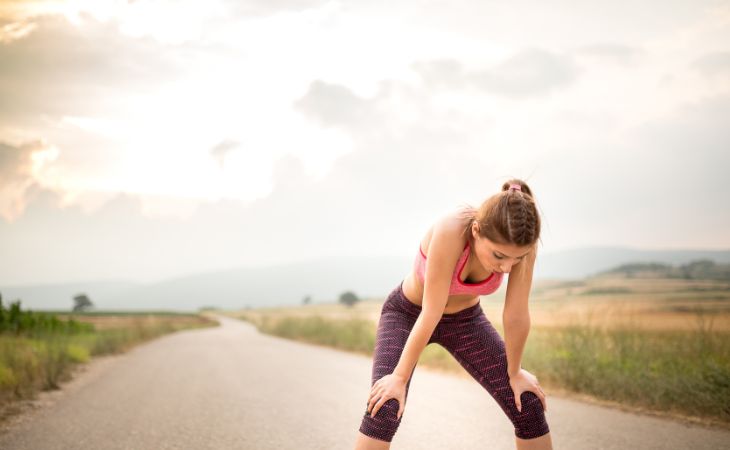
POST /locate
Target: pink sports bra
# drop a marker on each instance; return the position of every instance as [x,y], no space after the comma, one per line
[458,287]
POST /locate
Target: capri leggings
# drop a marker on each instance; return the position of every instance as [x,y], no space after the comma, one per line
[473,342]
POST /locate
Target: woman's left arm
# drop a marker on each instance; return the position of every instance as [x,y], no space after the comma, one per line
[516,314]
[516,320]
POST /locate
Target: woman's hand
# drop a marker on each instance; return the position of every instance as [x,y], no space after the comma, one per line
[390,386]
[525,381]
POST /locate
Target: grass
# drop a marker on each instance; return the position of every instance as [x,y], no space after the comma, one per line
[607,290]
[671,371]
[41,360]
[354,335]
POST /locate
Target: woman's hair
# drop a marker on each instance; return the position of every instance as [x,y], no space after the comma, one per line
[509,217]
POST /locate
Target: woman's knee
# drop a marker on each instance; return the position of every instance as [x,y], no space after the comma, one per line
[530,423]
[385,423]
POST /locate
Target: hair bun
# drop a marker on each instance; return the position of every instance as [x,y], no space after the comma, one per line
[517,185]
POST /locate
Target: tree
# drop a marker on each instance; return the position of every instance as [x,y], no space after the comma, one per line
[81,303]
[348,298]
[2,314]
[307,300]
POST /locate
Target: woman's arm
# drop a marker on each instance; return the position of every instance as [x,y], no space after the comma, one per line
[443,253]
[516,319]
[516,314]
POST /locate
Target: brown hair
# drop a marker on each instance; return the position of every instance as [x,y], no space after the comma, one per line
[509,217]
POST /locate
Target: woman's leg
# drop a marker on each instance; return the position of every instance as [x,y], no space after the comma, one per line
[479,348]
[396,321]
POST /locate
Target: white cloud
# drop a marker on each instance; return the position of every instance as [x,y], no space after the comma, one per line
[529,72]
[618,53]
[334,104]
[714,64]
[223,148]
[60,69]
[19,166]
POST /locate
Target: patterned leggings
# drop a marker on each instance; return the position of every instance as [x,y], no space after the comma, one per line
[473,342]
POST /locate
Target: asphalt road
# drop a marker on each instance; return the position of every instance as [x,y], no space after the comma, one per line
[233,388]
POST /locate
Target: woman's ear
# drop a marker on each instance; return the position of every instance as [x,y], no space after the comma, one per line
[475,229]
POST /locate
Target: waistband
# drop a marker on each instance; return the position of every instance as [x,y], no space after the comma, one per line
[415,310]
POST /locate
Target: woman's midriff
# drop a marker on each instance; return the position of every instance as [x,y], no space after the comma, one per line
[413,291]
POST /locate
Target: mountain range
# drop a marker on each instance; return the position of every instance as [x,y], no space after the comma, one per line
[322,280]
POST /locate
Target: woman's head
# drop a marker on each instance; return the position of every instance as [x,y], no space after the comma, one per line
[504,227]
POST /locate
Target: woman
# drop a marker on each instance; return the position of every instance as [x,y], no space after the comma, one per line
[464,255]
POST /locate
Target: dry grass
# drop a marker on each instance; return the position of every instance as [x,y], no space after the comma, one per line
[647,304]
[109,322]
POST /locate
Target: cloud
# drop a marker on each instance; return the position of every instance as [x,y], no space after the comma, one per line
[289,174]
[16,162]
[62,69]
[713,64]
[528,73]
[613,53]
[334,104]
[15,30]
[690,152]
[267,7]
[663,184]
[382,188]
[17,182]
[392,110]
[223,148]
[400,138]
[667,186]
[446,73]
[531,72]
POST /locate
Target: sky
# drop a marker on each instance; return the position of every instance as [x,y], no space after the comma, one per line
[144,140]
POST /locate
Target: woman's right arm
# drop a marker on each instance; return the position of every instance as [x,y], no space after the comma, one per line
[443,252]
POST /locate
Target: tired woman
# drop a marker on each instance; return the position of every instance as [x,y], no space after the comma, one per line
[462,256]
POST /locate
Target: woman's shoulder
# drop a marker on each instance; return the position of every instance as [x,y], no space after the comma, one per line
[450,227]
[456,220]
[463,214]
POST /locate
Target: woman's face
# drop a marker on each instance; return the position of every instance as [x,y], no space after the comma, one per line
[496,257]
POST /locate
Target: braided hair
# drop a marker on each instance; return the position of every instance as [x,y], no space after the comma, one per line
[509,217]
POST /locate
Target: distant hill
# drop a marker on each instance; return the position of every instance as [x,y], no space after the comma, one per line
[60,295]
[588,261]
[703,269]
[323,280]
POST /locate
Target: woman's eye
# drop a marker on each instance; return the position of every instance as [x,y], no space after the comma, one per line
[497,256]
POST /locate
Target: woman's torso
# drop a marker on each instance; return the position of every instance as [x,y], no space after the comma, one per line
[473,272]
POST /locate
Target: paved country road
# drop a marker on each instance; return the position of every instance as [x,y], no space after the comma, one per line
[232,388]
